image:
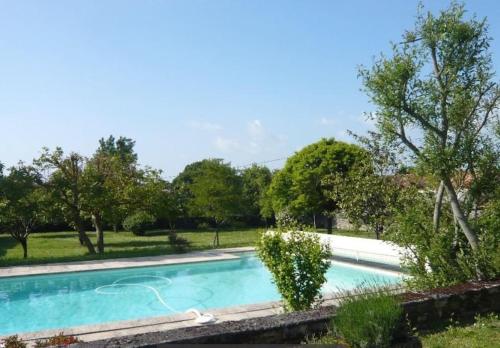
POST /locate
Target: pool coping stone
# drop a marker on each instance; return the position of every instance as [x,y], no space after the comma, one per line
[108,330]
[132,262]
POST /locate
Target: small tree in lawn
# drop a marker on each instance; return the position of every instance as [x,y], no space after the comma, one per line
[21,205]
[366,198]
[298,263]
[64,183]
[216,194]
[122,149]
[164,200]
[367,193]
[256,180]
[109,185]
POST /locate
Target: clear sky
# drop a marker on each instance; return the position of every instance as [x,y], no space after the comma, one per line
[247,81]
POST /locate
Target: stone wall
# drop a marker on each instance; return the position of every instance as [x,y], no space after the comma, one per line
[424,311]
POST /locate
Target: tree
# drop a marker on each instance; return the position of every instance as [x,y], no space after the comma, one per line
[300,185]
[365,197]
[256,180]
[166,200]
[436,98]
[110,186]
[123,149]
[216,193]
[368,192]
[64,183]
[21,204]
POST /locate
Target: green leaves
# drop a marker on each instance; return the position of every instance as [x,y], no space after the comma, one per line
[298,263]
[299,186]
[215,191]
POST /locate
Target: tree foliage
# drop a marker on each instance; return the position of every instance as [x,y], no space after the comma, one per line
[300,185]
[298,263]
[216,193]
[255,180]
[436,97]
[63,182]
[21,203]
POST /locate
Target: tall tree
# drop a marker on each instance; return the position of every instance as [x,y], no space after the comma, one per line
[436,97]
[110,186]
[64,182]
[300,186]
[165,200]
[365,197]
[216,193]
[123,149]
[256,180]
[21,203]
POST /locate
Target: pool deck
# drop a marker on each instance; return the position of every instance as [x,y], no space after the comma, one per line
[89,333]
[96,265]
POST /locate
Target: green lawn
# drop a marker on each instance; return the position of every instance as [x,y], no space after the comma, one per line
[52,247]
[484,333]
[64,246]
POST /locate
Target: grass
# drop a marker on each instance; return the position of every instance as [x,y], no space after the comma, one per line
[484,333]
[50,247]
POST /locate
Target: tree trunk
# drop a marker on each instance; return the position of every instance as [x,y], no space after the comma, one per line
[96,219]
[329,224]
[216,238]
[314,221]
[115,228]
[24,243]
[459,215]
[437,206]
[83,237]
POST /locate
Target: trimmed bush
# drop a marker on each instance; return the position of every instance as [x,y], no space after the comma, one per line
[298,263]
[138,223]
[368,318]
[179,244]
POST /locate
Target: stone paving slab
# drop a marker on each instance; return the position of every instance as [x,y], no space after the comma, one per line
[95,265]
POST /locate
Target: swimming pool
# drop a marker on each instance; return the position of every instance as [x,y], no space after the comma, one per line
[34,303]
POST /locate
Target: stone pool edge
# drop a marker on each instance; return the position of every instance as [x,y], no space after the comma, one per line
[108,330]
[132,262]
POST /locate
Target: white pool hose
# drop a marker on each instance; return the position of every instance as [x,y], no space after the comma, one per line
[201,318]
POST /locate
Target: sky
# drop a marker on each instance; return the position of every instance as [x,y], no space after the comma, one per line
[246,81]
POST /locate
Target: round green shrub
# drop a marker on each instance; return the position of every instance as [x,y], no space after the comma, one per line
[139,222]
[298,262]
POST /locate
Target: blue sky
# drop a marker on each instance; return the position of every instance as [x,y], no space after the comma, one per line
[247,81]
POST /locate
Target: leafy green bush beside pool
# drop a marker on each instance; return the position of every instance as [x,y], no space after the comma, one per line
[298,263]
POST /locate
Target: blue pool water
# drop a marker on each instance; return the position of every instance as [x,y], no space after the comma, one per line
[34,303]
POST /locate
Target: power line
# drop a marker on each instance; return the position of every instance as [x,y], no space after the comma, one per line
[243,165]
[259,163]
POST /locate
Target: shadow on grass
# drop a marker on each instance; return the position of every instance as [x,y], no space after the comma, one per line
[108,254]
[6,243]
[56,235]
[136,244]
